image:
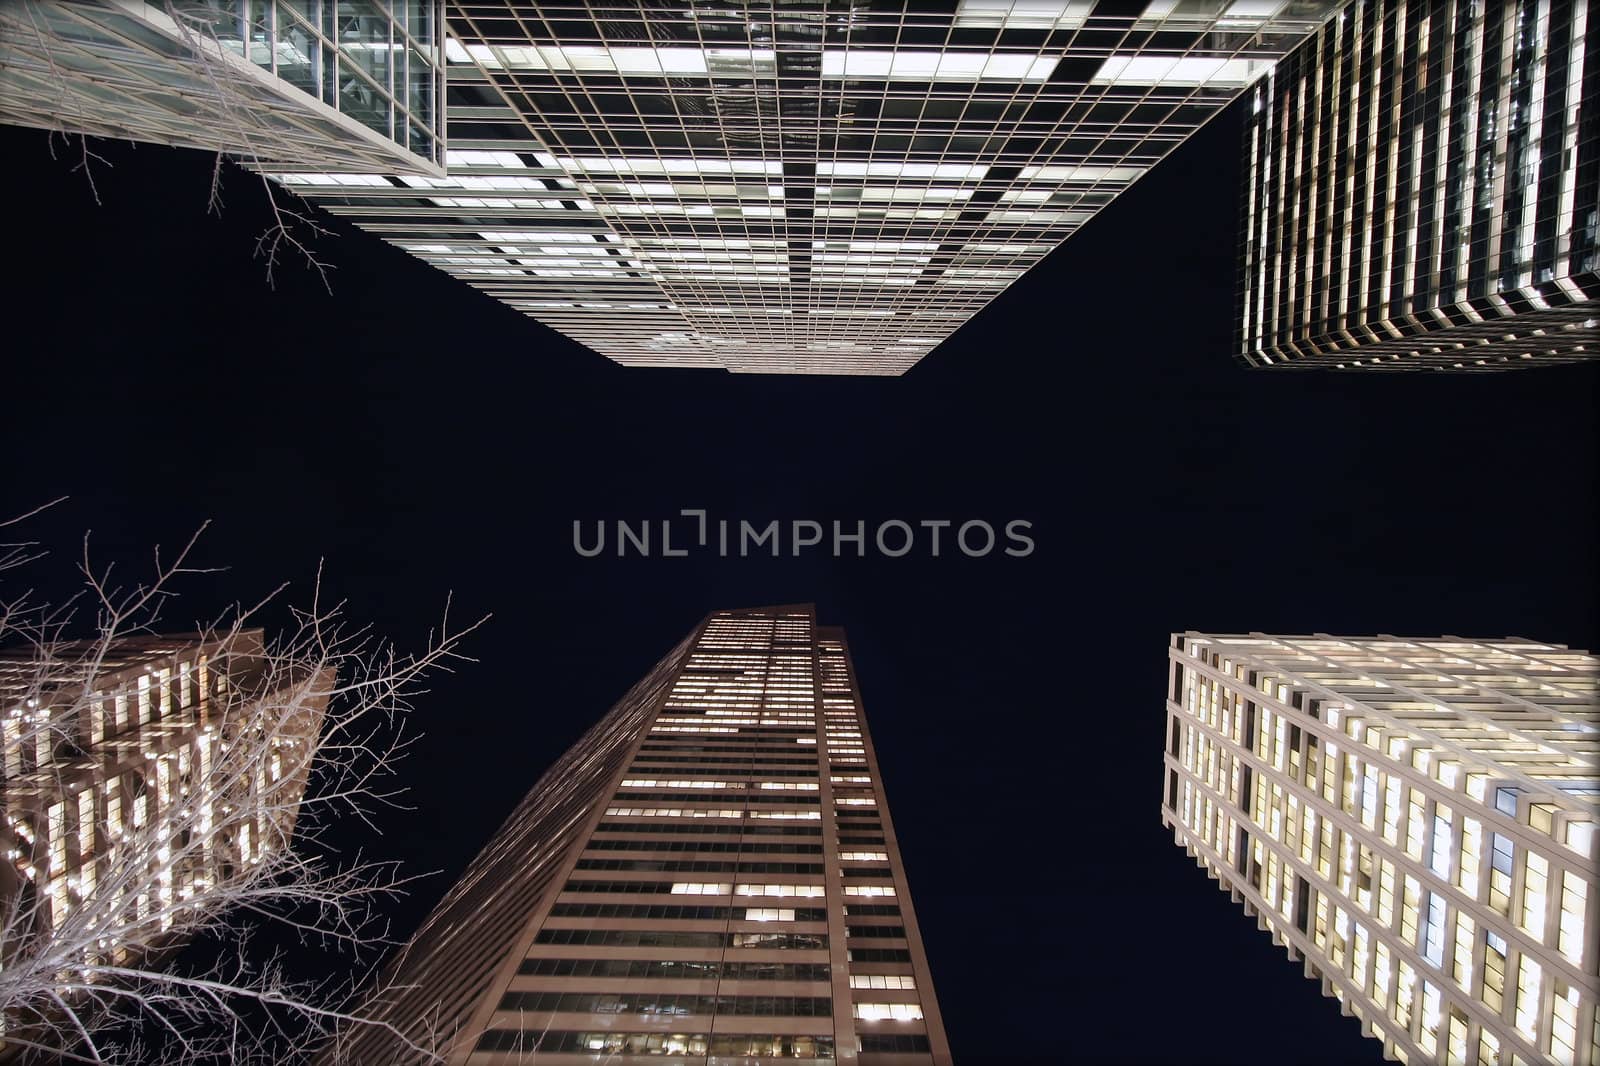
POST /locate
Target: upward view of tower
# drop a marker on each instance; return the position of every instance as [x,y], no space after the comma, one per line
[1423,189]
[820,186]
[710,875]
[1412,819]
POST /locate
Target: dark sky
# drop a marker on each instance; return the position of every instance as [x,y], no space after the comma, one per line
[423,438]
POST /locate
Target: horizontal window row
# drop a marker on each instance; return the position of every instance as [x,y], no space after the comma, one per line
[875,980]
[893,1043]
[713,812]
[727,783]
[702,866]
[663,912]
[686,970]
[660,938]
[879,931]
[720,785]
[878,955]
[682,797]
[879,1012]
[696,1045]
[695,888]
[728,760]
[869,871]
[690,744]
[670,1004]
[876,910]
[737,847]
[716,830]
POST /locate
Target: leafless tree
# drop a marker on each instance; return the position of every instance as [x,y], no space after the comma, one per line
[223,103]
[214,764]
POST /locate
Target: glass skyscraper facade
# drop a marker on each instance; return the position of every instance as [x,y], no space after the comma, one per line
[824,186]
[1414,820]
[342,85]
[709,875]
[1422,191]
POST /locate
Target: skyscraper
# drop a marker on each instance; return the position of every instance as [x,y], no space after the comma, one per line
[122,802]
[710,873]
[809,187]
[1414,819]
[341,85]
[1423,188]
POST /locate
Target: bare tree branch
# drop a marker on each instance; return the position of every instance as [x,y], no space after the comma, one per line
[161,788]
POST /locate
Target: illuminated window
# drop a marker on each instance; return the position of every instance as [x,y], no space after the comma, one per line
[1529,974]
[1535,886]
[808,891]
[882,981]
[1180,70]
[1494,970]
[1574,895]
[876,1012]
[1023,14]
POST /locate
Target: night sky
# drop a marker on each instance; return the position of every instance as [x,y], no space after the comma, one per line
[422,438]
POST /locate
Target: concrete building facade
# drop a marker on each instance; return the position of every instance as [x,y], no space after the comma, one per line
[1413,820]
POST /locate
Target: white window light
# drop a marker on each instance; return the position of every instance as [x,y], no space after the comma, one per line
[667,165]
[879,246]
[569,261]
[877,1012]
[657,62]
[1038,217]
[454,53]
[872,260]
[502,184]
[541,236]
[906,192]
[334,179]
[849,169]
[483,159]
[806,891]
[1083,173]
[578,273]
[891,65]
[1242,14]
[1180,70]
[1023,14]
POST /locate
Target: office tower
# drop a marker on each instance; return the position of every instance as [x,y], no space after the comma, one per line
[710,874]
[120,794]
[1422,191]
[340,85]
[822,186]
[1412,818]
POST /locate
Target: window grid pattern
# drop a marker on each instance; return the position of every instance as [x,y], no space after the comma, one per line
[1399,815]
[729,915]
[336,85]
[1422,190]
[800,188]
